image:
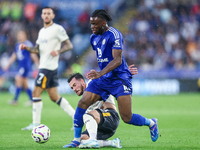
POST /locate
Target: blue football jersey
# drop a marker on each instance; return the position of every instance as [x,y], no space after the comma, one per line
[103,45]
[23,56]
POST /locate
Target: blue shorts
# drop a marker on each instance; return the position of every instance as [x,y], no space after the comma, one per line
[23,72]
[104,89]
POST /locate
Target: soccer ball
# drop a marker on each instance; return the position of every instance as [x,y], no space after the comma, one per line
[41,133]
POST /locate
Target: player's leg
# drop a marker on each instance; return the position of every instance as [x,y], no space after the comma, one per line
[37,108]
[61,101]
[107,120]
[87,99]
[28,91]
[91,121]
[125,110]
[116,143]
[18,84]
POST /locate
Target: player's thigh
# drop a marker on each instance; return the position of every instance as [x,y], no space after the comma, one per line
[96,115]
[125,107]
[37,91]
[88,99]
[53,93]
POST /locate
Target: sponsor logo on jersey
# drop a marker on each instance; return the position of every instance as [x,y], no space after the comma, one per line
[43,40]
[117,43]
[103,60]
[95,43]
[126,89]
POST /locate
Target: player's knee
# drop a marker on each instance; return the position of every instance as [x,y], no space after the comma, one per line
[54,99]
[87,117]
[125,118]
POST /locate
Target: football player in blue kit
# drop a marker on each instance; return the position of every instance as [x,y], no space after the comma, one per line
[24,67]
[114,78]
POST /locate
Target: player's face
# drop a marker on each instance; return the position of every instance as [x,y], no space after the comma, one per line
[47,15]
[78,86]
[98,25]
[21,36]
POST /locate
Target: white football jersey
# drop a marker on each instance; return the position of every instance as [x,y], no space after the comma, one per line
[98,104]
[50,39]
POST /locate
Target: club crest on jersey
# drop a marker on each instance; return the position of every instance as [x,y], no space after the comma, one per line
[117,43]
[104,41]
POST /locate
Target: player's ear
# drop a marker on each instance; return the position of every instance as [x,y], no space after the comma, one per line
[104,23]
[82,82]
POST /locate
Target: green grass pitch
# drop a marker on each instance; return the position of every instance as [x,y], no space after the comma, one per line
[178,122]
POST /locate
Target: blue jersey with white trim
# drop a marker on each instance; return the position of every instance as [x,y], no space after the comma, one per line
[103,45]
[23,56]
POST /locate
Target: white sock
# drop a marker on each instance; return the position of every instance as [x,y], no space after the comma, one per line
[37,110]
[64,104]
[91,126]
[152,123]
[77,139]
[103,143]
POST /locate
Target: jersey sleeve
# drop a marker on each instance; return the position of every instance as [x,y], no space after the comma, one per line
[29,44]
[37,41]
[91,42]
[62,34]
[117,41]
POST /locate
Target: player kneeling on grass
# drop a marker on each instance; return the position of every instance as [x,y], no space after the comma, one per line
[103,114]
[101,118]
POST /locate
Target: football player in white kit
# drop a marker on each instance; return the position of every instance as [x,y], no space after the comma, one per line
[48,46]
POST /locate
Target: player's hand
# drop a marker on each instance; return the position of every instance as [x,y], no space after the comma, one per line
[22,46]
[133,69]
[54,53]
[93,74]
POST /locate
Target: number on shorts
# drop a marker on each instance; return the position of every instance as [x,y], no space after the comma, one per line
[39,80]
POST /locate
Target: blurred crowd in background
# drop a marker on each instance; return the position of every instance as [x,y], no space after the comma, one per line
[158,34]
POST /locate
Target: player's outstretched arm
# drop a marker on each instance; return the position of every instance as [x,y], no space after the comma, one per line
[35,59]
[30,49]
[67,46]
[133,69]
[13,57]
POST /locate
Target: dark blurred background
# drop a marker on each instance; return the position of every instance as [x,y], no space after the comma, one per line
[161,37]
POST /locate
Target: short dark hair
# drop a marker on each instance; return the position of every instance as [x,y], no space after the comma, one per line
[47,7]
[101,13]
[77,76]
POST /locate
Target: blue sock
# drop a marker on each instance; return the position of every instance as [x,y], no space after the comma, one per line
[17,92]
[137,120]
[29,92]
[78,121]
[147,122]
